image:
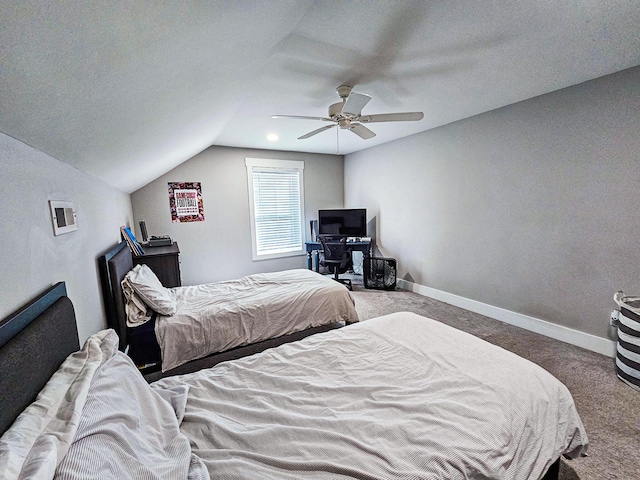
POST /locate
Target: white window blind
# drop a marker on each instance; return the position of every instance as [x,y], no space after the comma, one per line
[276,202]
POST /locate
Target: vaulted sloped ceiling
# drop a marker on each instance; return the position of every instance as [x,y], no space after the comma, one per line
[127,90]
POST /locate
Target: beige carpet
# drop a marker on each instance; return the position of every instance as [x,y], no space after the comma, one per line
[610,410]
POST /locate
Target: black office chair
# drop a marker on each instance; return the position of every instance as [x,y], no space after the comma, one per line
[337,256]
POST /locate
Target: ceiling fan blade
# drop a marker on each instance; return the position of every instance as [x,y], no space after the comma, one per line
[361,131]
[355,103]
[392,117]
[299,117]
[321,129]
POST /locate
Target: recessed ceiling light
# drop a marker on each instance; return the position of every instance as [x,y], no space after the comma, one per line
[272,137]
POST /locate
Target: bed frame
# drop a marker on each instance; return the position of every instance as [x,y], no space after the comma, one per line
[114,265]
[34,341]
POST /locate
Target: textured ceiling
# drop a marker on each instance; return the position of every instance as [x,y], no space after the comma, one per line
[126,90]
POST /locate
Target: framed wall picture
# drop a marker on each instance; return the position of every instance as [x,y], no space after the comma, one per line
[185,202]
[63,217]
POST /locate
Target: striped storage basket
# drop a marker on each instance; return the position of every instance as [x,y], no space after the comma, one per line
[628,349]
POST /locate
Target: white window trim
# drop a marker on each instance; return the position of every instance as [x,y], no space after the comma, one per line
[282,164]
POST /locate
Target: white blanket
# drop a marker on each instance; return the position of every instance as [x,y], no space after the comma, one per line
[97,418]
[219,316]
[400,396]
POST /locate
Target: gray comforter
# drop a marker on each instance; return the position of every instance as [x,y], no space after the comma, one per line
[219,316]
[400,396]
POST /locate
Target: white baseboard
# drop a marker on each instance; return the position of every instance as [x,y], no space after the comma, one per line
[600,345]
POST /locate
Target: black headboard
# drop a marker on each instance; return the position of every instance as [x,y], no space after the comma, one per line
[114,265]
[34,341]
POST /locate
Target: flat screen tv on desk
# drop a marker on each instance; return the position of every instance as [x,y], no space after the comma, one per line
[351,222]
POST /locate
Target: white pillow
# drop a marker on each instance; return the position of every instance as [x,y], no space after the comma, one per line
[148,287]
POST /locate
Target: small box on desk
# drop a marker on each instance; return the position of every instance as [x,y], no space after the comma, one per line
[164,241]
[380,273]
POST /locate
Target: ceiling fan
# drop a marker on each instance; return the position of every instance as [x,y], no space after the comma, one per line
[347,114]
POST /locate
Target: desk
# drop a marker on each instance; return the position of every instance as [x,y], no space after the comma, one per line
[364,247]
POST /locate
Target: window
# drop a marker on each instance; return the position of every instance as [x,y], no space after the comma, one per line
[276,203]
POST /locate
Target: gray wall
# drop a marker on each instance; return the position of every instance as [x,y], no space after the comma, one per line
[32,258]
[220,247]
[532,208]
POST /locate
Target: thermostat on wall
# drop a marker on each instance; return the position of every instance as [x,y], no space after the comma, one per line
[63,216]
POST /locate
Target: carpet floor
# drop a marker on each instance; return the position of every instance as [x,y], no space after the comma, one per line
[610,410]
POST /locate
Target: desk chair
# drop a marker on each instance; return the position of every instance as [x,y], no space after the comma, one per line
[336,256]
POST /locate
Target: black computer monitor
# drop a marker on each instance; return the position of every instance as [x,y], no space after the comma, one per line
[351,222]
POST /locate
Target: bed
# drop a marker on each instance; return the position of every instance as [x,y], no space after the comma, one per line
[400,396]
[235,317]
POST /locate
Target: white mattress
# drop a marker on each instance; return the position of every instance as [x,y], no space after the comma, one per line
[219,316]
[400,396]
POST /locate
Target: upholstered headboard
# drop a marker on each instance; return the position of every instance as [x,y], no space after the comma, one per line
[34,341]
[114,265]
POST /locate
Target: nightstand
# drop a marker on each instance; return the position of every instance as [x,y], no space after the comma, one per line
[164,262]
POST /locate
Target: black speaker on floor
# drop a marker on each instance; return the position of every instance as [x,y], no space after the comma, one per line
[380,273]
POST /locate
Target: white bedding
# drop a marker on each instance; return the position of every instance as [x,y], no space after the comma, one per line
[219,316]
[397,397]
[400,396]
[97,418]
